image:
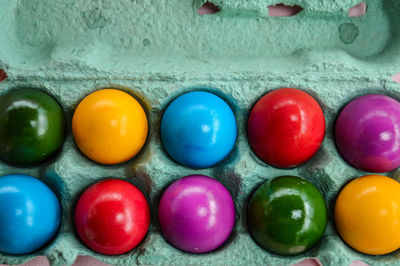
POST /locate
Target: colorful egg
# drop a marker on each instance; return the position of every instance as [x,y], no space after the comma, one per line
[287,215]
[286,128]
[368,133]
[112,217]
[109,126]
[198,129]
[31,127]
[367,214]
[196,214]
[30,214]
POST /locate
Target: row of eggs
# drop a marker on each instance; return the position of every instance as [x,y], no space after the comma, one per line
[198,129]
[286,215]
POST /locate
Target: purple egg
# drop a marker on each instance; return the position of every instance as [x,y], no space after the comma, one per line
[196,214]
[368,133]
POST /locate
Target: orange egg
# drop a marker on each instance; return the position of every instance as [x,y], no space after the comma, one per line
[109,126]
[367,214]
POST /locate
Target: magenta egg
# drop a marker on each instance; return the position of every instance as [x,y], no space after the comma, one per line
[368,133]
[196,214]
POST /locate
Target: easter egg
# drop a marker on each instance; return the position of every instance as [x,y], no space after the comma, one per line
[198,129]
[30,214]
[196,214]
[109,126]
[368,133]
[112,217]
[367,214]
[287,215]
[286,127]
[31,127]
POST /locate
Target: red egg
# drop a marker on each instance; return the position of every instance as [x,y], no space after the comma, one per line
[286,127]
[112,217]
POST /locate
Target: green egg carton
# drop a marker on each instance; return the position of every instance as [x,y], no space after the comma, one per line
[158,50]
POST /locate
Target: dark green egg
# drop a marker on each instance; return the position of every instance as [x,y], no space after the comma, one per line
[31,127]
[287,215]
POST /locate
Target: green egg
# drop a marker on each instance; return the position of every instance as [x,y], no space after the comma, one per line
[32,127]
[287,215]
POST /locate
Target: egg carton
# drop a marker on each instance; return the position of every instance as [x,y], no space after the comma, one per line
[160,49]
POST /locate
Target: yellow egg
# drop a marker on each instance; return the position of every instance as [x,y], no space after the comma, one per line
[109,126]
[367,214]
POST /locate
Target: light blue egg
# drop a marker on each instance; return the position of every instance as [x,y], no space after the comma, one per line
[198,129]
[29,214]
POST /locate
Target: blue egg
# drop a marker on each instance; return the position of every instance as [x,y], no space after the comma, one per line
[29,214]
[198,129]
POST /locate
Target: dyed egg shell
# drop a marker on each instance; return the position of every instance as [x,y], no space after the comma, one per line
[109,126]
[286,127]
[368,133]
[196,214]
[31,127]
[112,217]
[287,215]
[367,214]
[30,214]
[198,129]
